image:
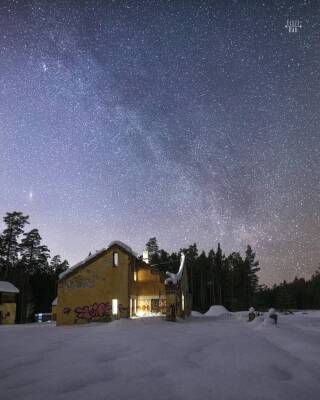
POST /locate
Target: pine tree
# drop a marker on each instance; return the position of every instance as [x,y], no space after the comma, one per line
[202,269]
[9,245]
[252,267]
[191,254]
[218,274]
[57,266]
[211,279]
[153,250]
[284,299]
[34,254]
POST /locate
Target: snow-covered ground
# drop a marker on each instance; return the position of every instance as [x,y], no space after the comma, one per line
[200,358]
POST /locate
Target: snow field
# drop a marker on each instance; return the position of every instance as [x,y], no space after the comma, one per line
[199,358]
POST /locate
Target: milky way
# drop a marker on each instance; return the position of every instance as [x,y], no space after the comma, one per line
[190,121]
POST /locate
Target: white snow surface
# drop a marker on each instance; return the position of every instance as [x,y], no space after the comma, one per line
[7,287]
[197,314]
[217,311]
[140,359]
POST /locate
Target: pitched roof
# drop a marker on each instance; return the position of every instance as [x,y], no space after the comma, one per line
[87,260]
[97,254]
[123,246]
[8,287]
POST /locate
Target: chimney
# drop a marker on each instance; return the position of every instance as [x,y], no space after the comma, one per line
[145,256]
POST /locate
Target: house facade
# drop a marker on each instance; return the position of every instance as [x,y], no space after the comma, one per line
[112,283]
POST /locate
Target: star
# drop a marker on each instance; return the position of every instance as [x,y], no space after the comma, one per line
[192,124]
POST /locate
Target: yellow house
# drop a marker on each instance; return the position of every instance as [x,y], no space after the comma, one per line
[109,284]
[7,302]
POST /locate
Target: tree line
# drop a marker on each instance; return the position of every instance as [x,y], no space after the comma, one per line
[214,278]
[26,262]
[299,294]
[232,280]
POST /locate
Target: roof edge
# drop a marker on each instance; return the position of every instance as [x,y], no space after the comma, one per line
[127,249]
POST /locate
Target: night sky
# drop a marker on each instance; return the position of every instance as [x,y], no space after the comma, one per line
[190,121]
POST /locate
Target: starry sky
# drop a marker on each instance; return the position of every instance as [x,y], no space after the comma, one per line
[191,121]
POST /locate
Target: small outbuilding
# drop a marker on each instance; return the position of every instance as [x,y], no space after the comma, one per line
[8,294]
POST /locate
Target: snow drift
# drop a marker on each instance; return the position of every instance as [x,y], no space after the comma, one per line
[196,314]
[218,311]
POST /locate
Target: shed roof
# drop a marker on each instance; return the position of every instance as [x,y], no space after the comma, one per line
[7,287]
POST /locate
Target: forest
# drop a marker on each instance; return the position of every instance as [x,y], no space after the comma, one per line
[26,262]
[233,281]
[214,277]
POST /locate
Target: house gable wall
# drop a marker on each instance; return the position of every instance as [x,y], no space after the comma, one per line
[86,294]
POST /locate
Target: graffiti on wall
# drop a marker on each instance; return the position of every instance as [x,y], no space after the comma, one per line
[66,310]
[96,311]
[79,282]
[151,306]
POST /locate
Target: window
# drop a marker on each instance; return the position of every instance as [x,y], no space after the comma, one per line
[135,306]
[135,275]
[114,306]
[115,259]
[182,302]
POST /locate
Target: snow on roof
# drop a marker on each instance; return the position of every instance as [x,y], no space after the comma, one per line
[79,264]
[55,302]
[173,279]
[122,245]
[8,287]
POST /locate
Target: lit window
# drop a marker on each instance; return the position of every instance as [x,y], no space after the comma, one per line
[115,259]
[182,302]
[135,306]
[114,306]
[135,275]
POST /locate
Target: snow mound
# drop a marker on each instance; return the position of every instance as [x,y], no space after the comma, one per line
[197,314]
[217,311]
